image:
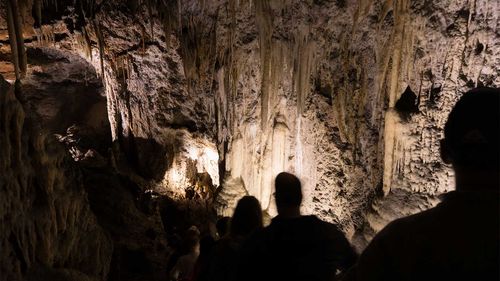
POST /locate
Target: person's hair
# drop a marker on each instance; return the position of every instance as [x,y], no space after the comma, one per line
[472,130]
[222,226]
[288,190]
[247,217]
[192,238]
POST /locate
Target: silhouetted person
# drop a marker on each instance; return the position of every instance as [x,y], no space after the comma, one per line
[247,218]
[184,268]
[222,226]
[295,247]
[207,244]
[174,249]
[459,238]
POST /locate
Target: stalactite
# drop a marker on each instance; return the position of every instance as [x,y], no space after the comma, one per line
[263,16]
[299,155]
[38,34]
[100,44]
[389,59]
[13,40]
[37,6]
[170,16]
[234,162]
[45,35]
[88,9]
[150,5]
[15,28]
[398,158]
[361,12]
[233,70]
[389,144]
[402,37]
[143,40]
[167,19]
[83,43]
[303,65]
[396,57]
[221,104]
[127,67]
[121,66]
[279,155]
[87,43]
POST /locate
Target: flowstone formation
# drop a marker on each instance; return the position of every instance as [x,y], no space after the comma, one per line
[208,100]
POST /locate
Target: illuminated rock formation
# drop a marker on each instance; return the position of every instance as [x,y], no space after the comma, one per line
[208,100]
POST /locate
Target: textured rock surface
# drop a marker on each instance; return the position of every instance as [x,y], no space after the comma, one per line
[350,95]
[48,230]
[316,87]
[62,95]
[133,220]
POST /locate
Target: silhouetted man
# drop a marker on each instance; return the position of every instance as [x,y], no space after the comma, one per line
[459,238]
[295,247]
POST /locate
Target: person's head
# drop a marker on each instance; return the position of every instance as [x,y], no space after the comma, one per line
[471,137]
[247,217]
[288,194]
[192,239]
[222,226]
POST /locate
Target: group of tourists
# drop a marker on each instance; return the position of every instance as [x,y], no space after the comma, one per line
[456,240]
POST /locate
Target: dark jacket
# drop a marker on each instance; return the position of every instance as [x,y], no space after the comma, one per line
[303,248]
[456,240]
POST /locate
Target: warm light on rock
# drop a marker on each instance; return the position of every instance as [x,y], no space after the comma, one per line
[194,156]
[152,115]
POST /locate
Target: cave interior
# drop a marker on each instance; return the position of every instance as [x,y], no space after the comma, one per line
[124,122]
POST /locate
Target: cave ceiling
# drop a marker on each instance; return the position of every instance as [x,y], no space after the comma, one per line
[217,97]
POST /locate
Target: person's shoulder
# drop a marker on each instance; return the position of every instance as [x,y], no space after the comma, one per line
[323,227]
[412,223]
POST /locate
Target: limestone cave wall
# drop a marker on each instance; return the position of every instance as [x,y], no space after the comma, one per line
[48,231]
[349,95]
[206,101]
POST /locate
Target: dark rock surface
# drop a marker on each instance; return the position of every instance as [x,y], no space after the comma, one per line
[48,231]
[208,100]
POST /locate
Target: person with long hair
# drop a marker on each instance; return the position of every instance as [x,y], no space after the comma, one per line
[247,218]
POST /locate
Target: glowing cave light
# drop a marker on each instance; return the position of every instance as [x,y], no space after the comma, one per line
[206,156]
[200,152]
[177,176]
